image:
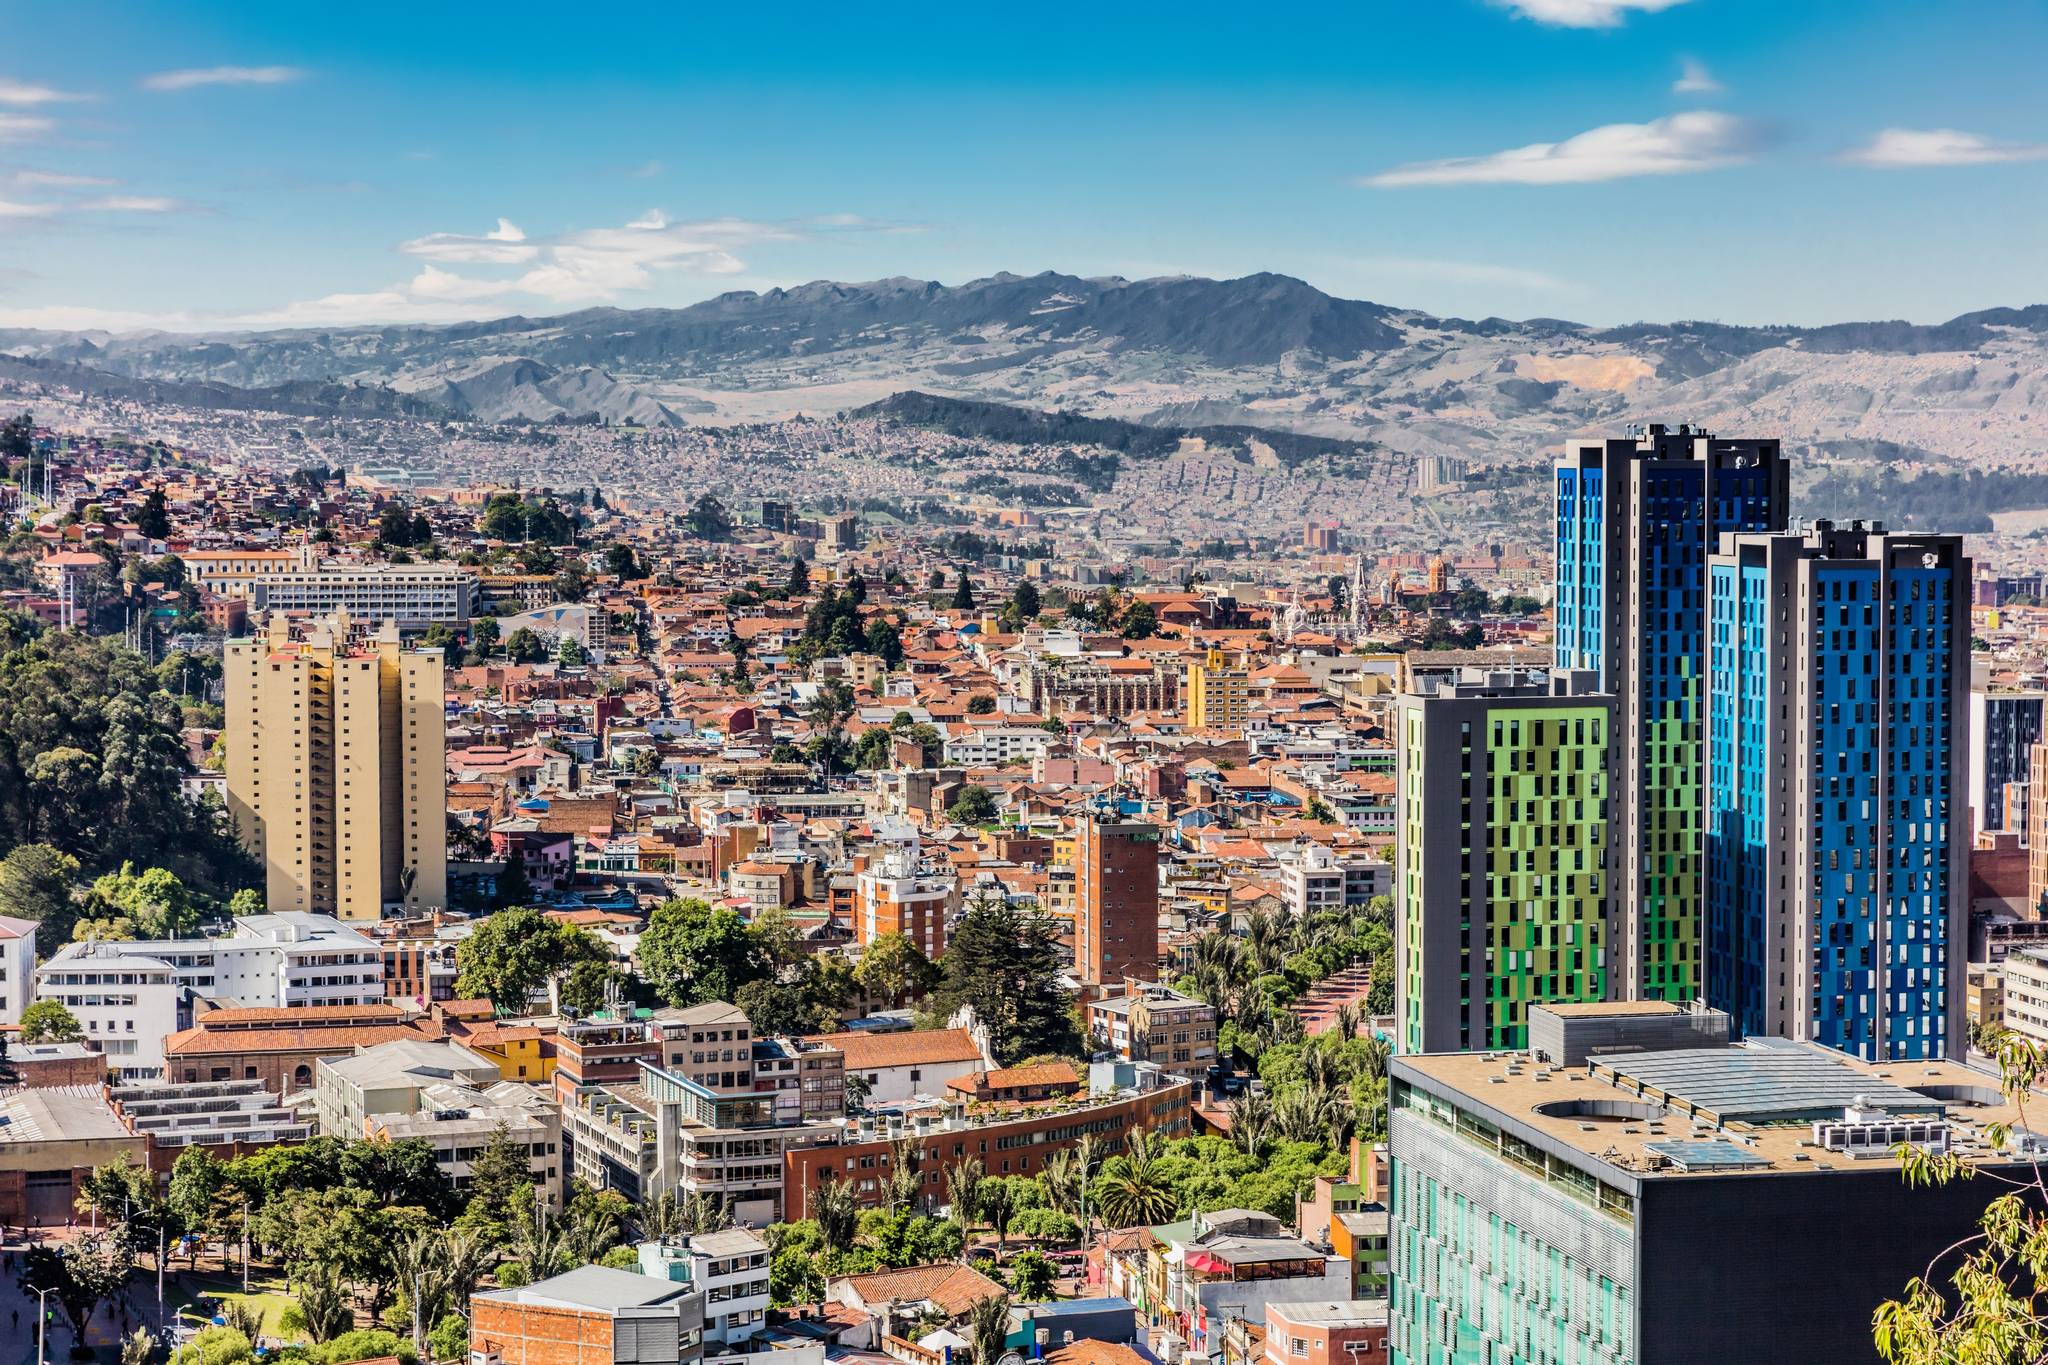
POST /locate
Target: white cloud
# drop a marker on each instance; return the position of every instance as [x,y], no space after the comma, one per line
[131,203]
[62,180]
[191,78]
[647,170]
[1695,79]
[1585,13]
[578,267]
[16,126]
[1901,147]
[12,208]
[23,94]
[1676,145]
[591,264]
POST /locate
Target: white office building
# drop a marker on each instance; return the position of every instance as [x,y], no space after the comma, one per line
[17,967]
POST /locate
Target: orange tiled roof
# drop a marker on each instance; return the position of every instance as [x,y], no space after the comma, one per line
[873,1051]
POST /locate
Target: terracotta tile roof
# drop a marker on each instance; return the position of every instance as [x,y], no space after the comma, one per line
[954,1289]
[1091,1352]
[201,1042]
[303,1014]
[873,1051]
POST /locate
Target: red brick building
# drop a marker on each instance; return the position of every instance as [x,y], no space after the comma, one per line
[1116,900]
[1013,1146]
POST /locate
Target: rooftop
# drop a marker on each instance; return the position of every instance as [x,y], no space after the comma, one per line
[1629,1116]
[593,1288]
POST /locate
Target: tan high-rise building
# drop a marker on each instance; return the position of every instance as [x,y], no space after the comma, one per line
[337,768]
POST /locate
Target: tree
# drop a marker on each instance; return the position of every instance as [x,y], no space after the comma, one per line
[1133,1188]
[708,519]
[963,594]
[499,1186]
[1139,621]
[691,952]
[154,520]
[47,1021]
[1026,600]
[1992,1312]
[981,704]
[1031,1276]
[988,1328]
[440,636]
[799,584]
[963,1191]
[620,562]
[893,970]
[587,986]
[80,1275]
[130,904]
[997,1199]
[974,806]
[1004,963]
[826,714]
[321,1308]
[522,646]
[513,953]
[884,640]
[36,882]
[484,634]
[838,1214]
[569,653]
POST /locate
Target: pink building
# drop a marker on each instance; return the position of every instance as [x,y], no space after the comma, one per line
[1327,1332]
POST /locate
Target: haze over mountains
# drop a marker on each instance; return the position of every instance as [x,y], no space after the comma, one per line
[1265,350]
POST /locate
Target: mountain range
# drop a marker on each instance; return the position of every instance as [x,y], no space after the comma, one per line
[1264,351]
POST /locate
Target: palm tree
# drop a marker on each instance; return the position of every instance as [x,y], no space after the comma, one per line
[901,1188]
[838,1214]
[1058,1177]
[988,1328]
[659,1217]
[963,1192]
[1134,1188]
[323,1310]
[1251,1119]
[1347,1021]
[422,1265]
[704,1213]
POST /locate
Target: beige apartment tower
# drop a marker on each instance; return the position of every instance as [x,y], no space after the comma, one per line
[337,768]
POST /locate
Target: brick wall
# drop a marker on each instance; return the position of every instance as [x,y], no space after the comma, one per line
[526,1334]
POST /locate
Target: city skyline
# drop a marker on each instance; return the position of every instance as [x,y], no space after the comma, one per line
[235,167]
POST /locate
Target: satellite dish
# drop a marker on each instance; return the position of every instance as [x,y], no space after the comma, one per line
[1930,560]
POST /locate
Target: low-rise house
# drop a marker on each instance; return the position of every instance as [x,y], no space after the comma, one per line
[890,1302]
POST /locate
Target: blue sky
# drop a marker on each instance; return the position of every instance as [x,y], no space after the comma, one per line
[214,164]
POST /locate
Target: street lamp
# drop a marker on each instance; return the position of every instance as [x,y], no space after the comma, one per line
[42,1320]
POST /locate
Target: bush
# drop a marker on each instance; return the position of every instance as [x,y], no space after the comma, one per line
[365,1344]
[450,1338]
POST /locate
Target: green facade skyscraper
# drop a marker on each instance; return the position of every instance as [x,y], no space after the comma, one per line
[1503,898]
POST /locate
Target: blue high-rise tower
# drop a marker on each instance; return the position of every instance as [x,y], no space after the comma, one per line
[1838,814]
[1636,520]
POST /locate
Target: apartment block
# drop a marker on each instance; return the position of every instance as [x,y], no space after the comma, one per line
[336,768]
[1503,880]
[1116,900]
[1636,519]
[2005,726]
[1219,693]
[1838,824]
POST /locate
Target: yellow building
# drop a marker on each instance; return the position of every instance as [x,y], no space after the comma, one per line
[1219,694]
[520,1050]
[337,768]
